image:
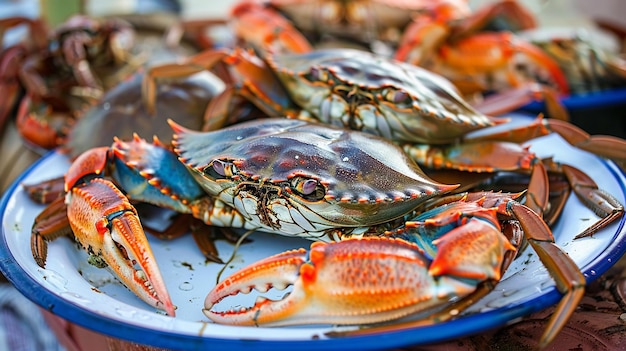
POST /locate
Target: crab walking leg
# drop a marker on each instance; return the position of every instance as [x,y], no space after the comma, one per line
[566,274]
[265,29]
[490,152]
[50,224]
[603,204]
[107,226]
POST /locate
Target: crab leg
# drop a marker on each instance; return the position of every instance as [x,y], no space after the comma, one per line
[489,152]
[514,98]
[50,224]
[39,125]
[265,29]
[602,203]
[47,191]
[568,278]
[11,59]
[10,88]
[118,239]
[602,145]
[245,75]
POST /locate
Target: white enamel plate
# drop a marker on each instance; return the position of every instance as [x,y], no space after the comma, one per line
[91,297]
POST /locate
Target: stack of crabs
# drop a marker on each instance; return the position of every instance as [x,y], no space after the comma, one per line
[324,144]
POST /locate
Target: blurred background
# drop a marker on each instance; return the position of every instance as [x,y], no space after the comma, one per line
[550,12]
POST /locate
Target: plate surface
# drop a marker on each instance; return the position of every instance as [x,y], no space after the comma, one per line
[72,289]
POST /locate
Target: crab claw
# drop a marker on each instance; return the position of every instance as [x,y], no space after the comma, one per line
[107,226]
[347,282]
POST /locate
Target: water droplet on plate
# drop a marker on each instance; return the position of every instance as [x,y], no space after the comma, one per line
[106,106]
[55,279]
[185,286]
[130,314]
[74,297]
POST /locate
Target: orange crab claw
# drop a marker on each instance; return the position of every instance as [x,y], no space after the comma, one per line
[488,51]
[265,29]
[337,283]
[38,126]
[93,161]
[107,226]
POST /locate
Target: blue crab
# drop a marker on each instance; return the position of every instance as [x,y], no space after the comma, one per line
[419,110]
[276,198]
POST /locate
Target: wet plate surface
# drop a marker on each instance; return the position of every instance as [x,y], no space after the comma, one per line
[72,289]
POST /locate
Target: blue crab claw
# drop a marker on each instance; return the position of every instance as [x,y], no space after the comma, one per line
[108,228]
[347,282]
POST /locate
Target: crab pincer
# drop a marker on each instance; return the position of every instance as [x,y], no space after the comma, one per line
[107,226]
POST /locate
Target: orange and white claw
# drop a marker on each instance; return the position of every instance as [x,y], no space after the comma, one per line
[40,128]
[278,272]
[355,281]
[107,226]
[544,61]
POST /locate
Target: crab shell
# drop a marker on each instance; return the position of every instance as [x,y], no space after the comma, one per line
[362,91]
[297,178]
[123,112]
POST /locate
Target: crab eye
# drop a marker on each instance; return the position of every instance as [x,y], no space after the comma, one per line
[397,96]
[220,169]
[318,74]
[308,188]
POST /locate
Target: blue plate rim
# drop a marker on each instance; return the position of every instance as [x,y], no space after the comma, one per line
[467,325]
[590,100]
